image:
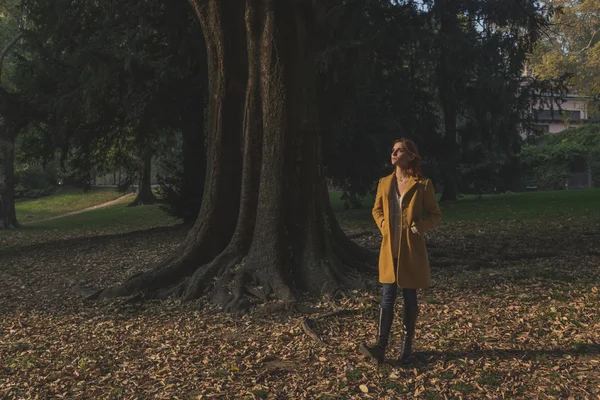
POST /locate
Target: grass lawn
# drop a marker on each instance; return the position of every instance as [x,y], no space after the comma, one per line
[111,220]
[509,206]
[524,206]
[512,313]
[115,218]
[65,200]
[119,218]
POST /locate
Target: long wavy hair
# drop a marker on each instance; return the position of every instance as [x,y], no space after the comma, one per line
[414,167]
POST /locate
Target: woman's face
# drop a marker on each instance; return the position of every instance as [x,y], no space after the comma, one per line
[401,156]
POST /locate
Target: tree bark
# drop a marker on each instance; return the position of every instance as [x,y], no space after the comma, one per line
[265,207]
[449,107]
[8,217]
[144,194]
[194,162]
[446,16]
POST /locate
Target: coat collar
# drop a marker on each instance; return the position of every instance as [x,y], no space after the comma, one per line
[389,180]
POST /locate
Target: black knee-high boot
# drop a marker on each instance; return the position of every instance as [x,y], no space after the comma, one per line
[377,352]
[410,313]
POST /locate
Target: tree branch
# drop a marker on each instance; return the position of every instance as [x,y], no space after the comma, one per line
[590,42]
[7,49]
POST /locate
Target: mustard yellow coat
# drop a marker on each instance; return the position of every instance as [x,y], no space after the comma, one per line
[419,208]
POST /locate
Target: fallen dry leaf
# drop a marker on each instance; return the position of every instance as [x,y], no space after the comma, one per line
[512,313]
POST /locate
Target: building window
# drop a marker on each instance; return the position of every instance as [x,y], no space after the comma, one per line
[557,115]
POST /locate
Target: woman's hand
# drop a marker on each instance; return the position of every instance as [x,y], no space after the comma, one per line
[383,224]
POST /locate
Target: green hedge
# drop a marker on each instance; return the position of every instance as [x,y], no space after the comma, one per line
[547,164]
[33,182]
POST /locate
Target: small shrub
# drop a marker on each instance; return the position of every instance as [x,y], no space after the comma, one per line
[179,200]
[34,182]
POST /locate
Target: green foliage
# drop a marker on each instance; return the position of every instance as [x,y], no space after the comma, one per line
[547,164]
[34,181]
[179,198]
[495,173]
[572,47]
[461,59]
[11,23]
[479,49]
[110,79]
[375,86]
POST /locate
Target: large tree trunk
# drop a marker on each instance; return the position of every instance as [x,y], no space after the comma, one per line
[144,195]
[452,150]
[265,230]
[194,163]
[445,13]
[8,217]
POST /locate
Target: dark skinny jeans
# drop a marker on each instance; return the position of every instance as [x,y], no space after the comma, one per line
[386,312]
[390,293]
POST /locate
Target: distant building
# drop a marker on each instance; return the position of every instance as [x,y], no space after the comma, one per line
[557,112]
[571,114]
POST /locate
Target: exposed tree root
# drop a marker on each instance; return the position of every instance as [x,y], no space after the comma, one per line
[235,282]
[309,327]
[138,201]
[154,282]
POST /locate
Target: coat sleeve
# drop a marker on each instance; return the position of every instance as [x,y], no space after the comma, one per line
[378,206]
[433,214]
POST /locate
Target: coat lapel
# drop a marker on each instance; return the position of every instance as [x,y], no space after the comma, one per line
[410,191]
[389,181]
[411,184]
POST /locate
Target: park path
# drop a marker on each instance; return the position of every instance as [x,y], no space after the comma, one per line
[97,206]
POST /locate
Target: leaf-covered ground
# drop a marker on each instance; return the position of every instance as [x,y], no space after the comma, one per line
[514,312]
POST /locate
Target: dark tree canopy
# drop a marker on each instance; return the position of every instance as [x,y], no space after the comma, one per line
[115,81]
[374,87]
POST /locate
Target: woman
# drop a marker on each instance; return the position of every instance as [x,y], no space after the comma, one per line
[405,209]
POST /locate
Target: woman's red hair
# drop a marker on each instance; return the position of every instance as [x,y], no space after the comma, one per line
[414,167]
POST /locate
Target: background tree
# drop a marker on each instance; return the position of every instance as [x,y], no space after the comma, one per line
[453,84]
[11,120]
[481,48]
[373,88]
[12,109]
[571,48]
[132,94]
